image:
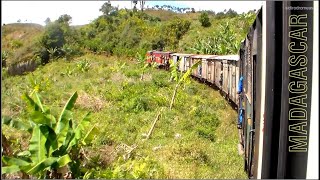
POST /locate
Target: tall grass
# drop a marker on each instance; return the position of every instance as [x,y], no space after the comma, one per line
[196,139]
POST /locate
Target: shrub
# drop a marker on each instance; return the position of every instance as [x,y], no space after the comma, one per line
[204,19]
[71,50]
[16,44]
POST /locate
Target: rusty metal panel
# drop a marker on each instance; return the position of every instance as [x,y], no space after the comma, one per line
[233,82]
[213,72]
[225,78]
[182,64]
[204,73]
[230,78]
[217,73]
[187,63]
[210,71]
[195,70]
[149,57]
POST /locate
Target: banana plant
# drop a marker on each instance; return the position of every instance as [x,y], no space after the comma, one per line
[83,65]
[55,141]
[180,78]
[52,52]
[141,58]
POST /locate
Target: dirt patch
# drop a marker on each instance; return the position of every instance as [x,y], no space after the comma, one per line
[93,103]
[102,157]
[119,77]
[147,77]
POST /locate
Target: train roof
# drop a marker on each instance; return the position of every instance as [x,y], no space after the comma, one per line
[181,54]
[204,56]
[228,57]
[163,52]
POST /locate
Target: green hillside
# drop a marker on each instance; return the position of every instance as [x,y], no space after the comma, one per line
[19,41]
[104,63]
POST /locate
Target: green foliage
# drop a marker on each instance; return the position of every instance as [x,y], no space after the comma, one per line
[83,65]
[137,169]
[142,168]
[4,73]
[39,84]
[141,57]
[71,50]
[64,19]
[59,40]
[55,142]
[205,149]
[53,36]
[16,44]
[174,30]
[107,8]
[204,19]
[4,57]
[160,80]
[137,104]
[223,42]
[182,78]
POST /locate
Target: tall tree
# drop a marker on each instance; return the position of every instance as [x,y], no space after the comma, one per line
[107,8]
[47,21]
[142,3]
[135,2]
[66,19]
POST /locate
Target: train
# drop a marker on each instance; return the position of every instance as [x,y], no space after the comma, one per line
[272,82]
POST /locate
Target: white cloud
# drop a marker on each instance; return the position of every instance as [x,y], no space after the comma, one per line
[82,12]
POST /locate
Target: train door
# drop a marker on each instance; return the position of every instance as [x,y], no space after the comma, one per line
[200,68]
[230,95]
[218,74]
[210,71]
[204,69]
[176,61]
[237,71]
[197,69]
[225,69]
[187,63]
[233,82]
[181,64]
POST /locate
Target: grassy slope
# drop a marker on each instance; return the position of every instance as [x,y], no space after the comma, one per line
[170,15]
[124,108]
[19,39]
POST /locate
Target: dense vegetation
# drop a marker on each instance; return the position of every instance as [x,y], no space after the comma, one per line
[124,32]
[100,68]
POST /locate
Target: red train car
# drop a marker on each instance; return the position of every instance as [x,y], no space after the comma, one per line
[161,58]
[150,58]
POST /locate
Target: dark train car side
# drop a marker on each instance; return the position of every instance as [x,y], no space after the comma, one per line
[277,66]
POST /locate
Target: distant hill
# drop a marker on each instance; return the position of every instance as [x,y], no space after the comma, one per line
[165,15]
[19,40]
